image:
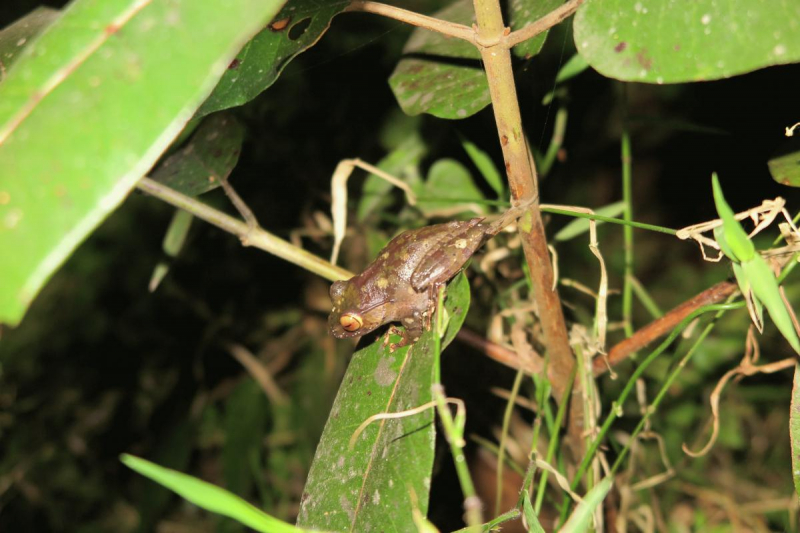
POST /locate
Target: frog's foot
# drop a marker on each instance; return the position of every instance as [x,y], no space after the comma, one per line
[393,330]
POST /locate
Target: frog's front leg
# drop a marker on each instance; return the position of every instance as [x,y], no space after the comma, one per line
[414,328]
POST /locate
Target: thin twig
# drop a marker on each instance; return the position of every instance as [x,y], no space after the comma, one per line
[543,24]
[451,29]
[258,238]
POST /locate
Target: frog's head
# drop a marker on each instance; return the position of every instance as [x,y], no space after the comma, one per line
[349,316]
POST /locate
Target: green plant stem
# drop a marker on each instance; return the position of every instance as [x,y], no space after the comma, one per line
[651,409]
[501,452]
[561,210]
[524,189]
[616,408]
[551,449]
[454,430]
[250,236]
[627,214]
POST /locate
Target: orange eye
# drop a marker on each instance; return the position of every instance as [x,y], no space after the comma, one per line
[351,322]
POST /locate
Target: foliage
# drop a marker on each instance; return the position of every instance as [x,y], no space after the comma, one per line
[225,369]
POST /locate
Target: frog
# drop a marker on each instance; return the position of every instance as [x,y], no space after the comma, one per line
[402,283]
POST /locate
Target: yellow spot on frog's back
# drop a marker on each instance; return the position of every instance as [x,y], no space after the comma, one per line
[461,244]
[382,283]
[411,290]
[384,255]
[404,256]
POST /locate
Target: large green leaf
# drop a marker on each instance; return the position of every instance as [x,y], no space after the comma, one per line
[368,487]
[89,107]
[14,37]
[298,27]
[442,75]
[672,42]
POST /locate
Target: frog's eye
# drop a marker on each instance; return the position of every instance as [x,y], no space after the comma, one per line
[351,322]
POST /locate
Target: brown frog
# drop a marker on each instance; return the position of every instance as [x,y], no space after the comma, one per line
[402,284]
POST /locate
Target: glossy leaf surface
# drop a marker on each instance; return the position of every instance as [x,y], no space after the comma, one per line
[677,41]
[86,111]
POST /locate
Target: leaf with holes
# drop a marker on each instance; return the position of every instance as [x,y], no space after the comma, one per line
[369,486]
[14,37]
[673,42]
[205,159]
[442,76]
[89,107]
[298,27]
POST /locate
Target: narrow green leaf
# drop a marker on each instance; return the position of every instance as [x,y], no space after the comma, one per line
[176,233]
[208,496]
[581,517]
[485,165]
[765,289]
[736,239]
[580,226]
[448,178]
[14,38]
[208,157]
[298,27]
[174,239]
[571,68]
[352,490]
[674,42]
[457,299]
[794,429]
[530,515]
[88,108]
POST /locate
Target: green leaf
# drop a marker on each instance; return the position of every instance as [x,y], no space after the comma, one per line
[735,238]
[443,77]
[674,42]
[785,166]
[765,288]
[245,421]
[208,157]
[580,226]
[523,13]
[402,163]
[15,37]
[571,68]
[581,517]
[174,240]
[485,165]
[208,496]
[448,178]
[530,515]
[298,27]
[86,111]
[794,429]
[352,490]
[176,234]
[450,82]
[457,299]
